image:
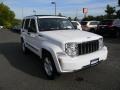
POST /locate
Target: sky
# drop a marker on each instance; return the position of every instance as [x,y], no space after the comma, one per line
[67,8]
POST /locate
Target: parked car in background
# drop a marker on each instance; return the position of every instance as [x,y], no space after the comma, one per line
[77,25]
[90,26]
[109,27]
[1,27]
[17,28]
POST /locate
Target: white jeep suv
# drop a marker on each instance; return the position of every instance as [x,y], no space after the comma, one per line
[61,48]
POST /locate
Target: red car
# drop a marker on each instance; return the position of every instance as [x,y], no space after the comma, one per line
[109,27]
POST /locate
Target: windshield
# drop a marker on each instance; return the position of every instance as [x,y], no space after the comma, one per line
[49,24]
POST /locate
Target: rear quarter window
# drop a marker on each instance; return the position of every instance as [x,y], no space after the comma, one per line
[23,23]
[26,25]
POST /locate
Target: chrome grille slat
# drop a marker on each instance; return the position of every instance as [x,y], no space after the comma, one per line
[93,48]
[88,47]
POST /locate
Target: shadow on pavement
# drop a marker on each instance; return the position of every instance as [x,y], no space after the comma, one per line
[29,64]
[112,40]
[15,31]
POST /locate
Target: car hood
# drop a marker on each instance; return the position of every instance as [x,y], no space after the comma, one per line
[69,35]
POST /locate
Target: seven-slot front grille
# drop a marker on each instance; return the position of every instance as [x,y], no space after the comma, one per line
[88,47]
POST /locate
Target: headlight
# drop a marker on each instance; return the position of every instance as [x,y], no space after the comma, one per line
[101,44]
[71,49]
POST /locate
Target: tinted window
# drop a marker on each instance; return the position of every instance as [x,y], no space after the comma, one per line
[48,24]
[106,22]
[93,23]
[32,25]
[26,23]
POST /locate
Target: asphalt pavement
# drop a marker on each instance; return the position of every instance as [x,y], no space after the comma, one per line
[23,72]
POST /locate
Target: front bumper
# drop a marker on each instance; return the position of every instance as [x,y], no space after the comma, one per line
[68,64]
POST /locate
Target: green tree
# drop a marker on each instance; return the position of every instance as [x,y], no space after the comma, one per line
[110,11]
[88,18]
[100,18]
[17,22]
[6,16]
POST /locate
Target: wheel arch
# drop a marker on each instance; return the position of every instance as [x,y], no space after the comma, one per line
[45,51]
[53,54]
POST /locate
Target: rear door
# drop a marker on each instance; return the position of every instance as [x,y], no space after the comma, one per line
[24,30]
[33,37]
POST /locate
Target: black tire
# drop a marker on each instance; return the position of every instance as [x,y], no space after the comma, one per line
[24,48]
[49,66]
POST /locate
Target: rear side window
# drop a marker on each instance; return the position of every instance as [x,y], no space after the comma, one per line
[23,23]
[26,24]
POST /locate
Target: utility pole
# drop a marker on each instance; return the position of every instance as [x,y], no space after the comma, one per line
[76,12]
[118,2]
[55,6]
[22,13]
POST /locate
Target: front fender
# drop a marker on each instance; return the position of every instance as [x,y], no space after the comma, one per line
[53,50]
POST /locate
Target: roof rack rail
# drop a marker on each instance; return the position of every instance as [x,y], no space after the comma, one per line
[45,15]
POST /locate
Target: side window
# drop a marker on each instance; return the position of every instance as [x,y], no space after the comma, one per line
[23,23]
[33,25]
[26,24]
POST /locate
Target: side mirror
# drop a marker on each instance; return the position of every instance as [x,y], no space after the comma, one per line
[75,27]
